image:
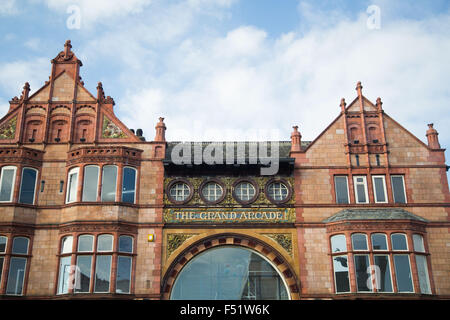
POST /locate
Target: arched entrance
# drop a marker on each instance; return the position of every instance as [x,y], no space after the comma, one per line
[230,267]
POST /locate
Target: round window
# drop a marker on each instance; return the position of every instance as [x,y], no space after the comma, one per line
[278,191]
[212,191]
[179,191]
[245,191]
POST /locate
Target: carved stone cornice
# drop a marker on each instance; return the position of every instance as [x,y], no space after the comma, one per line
[21,155]
[89,226]
[376,226]
[17,229]
[104,154]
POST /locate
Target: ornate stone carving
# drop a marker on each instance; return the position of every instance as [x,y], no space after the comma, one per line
[8,129]
[175,240]
[283,239]
[111,130]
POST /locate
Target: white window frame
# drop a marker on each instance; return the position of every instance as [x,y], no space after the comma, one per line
[112,242]
[175,185]
[385,239]
[404,187]
[390,270]
[72,172]
[135,182]
[335,189]
[35,182]
[410,271]
[406,239]
[85,235]
[367,242]
[13,182]
[374,188]
[355,184]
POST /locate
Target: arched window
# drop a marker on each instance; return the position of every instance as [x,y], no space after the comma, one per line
[17,266]
[90,183]
[229,273]
[129,185]
[28,185]
[72,185]
[109,183]
[7,180]
[124,264]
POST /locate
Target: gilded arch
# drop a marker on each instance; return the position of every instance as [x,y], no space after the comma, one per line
[233,239]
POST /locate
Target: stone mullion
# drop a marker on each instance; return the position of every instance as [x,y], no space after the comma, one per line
[100,184]
[18,178]
[351,265]
[80,183]
[119,183]
[412,262]
[370,187]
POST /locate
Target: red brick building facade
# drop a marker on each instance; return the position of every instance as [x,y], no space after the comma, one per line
[90,209]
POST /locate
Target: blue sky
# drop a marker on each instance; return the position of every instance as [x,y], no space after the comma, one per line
[239,69]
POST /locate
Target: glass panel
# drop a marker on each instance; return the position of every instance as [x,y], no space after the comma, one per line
[229,273]
[338,243]
[7,183]
[179,191]
[72,186]
[20,245]
[64,275]
[359,241]
[28,186]
[85,243]
[379,241]
[102,274]
[105,242]
[16,275]
[341,278]
[403,273]
[128,185]
[278,191]
[66,245]
[399,241]
[422,270]
[383,275]
[123,275]
[90,184]
[378,183]
[361,265]
[109,183]
[398,189]
[83,273]
[245,191]
[341,189]
[125,244]
[418,243]
[361,192]
[212,191]
[3,241]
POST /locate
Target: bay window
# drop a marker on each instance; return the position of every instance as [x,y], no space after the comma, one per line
[7,180]
[72,185]
[17,266]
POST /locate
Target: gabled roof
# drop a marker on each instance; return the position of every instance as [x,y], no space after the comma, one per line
[373,214]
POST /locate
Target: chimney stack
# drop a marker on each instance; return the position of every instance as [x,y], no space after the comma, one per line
[160,131]
[296,140]
[432,136]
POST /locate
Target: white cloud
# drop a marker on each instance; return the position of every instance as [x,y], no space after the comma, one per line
[8,7]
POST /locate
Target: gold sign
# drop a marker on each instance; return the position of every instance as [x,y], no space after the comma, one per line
[224,215]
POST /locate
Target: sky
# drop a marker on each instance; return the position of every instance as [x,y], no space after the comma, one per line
[239,69]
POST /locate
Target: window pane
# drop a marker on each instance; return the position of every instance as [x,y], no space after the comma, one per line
[20,245]
[123,274]
[102,273]
[7,183]
[179,191]
[422,270]
[85,243]
[72,186]
[418,243]
[16,275]
[245,191]
[126,244]
[66,245]
[64,275]
[28,186]
[403,273]
[83,273]
[383,278]
[109,183]
[338,243]
[128,185]
[90,184]
[378,183]
[3,241]
[278,191]
[340,266]
[341,189]
[399,242]
[359,241]
[361,193]
[105,242]
[398,189]
[361,265]
[1,268]
[379,241]
[212,191]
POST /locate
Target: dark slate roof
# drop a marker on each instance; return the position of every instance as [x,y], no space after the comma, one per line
[284,147]
[373,214]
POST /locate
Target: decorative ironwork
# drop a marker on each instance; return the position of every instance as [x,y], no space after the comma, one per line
[175,240]
[8,129]
[283,239]
[111,130]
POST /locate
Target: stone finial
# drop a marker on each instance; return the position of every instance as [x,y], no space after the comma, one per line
[67,49]
[296,140]
[379,104]
[100,92]
[432,136]
[26,91]
[359,88]
[160,131]
[343,104]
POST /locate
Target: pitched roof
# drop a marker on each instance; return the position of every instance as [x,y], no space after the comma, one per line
[373,214]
